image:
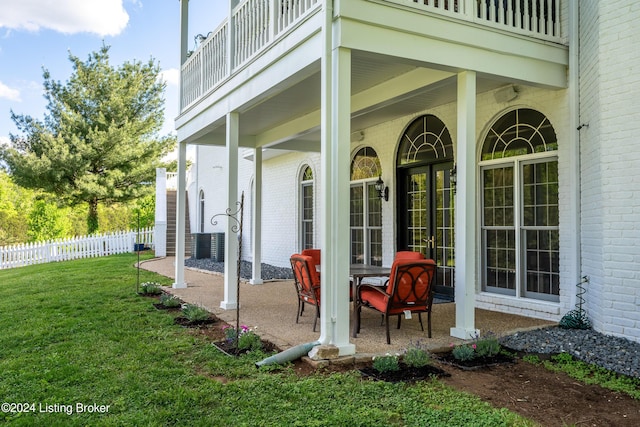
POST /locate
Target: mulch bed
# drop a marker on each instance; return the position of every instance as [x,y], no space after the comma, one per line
[149,294]
[404,374]
[160,306]
[183,321]
[230,349]
[476,363]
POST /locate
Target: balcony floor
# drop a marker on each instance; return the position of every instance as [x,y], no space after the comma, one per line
[271,308]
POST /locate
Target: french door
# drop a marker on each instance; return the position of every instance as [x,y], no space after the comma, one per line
[426,219]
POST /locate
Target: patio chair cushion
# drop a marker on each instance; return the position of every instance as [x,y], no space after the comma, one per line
[313,253]
[407,255]
[379,301]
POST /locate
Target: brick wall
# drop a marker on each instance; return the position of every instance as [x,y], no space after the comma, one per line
[610,84]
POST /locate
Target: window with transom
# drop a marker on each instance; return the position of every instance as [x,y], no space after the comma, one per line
[306,208]
[520,215]
[365,209]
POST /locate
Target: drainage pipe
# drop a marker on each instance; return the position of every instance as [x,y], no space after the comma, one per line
[288,355]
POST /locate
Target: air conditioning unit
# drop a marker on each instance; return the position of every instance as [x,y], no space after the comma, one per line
[201,245]
[217,247]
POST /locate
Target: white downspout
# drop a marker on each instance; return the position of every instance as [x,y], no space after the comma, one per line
[575,129]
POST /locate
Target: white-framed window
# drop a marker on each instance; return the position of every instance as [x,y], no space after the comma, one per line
[306,208]
[365,209]
[520,210]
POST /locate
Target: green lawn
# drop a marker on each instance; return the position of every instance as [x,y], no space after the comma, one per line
[76,333]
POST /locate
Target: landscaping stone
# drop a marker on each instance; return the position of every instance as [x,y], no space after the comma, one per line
[324,352]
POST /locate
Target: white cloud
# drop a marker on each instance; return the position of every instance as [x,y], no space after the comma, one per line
[170,76]
[101,17]
[8,93]
[4,140]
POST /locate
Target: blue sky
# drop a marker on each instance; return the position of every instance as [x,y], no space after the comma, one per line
[41,33]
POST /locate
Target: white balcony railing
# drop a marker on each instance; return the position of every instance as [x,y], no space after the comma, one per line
[536,18]
[172,181]
[256,24]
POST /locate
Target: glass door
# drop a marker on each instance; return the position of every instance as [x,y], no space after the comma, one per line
[425,216]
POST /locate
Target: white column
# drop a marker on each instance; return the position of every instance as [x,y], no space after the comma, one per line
[181,195]
[231,235]
[256,218]
[160,228]
[465,208]
[184,38]
[184,30]
[335,159]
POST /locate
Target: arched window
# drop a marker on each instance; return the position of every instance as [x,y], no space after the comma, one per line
[518,133]
[425,140]
[366,209]
[520,218]
[365,164]
[306,208]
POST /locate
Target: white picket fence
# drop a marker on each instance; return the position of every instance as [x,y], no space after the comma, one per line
[74,248]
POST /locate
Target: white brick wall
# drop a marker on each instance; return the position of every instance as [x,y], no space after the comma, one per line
[281,205]
[609,87]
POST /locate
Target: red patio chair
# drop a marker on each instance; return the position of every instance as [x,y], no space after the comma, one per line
[408,255]
[409,289]
[307,283]
[313,253]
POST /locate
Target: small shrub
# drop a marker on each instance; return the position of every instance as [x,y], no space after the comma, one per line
[488,347]
[485,347]
[249,341]
[246,337]
[387,363]
[169,301]
[464,352]
[416,356]
[194,313]
[151,288]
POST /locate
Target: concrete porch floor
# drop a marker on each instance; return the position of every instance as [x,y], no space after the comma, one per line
[271,307]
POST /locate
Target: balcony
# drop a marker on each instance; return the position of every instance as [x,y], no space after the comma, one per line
[256,26]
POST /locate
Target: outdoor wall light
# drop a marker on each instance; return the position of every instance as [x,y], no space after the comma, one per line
[383,191]
[453,177]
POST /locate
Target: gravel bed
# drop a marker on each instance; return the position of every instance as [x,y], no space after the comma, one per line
[612,353]
[269,272]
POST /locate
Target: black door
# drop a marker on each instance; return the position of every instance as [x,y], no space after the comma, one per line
[425,219]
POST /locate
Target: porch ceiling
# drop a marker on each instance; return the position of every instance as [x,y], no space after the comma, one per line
[383,88]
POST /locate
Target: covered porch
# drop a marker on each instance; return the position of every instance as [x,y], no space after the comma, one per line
[337,74]
[272,309]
